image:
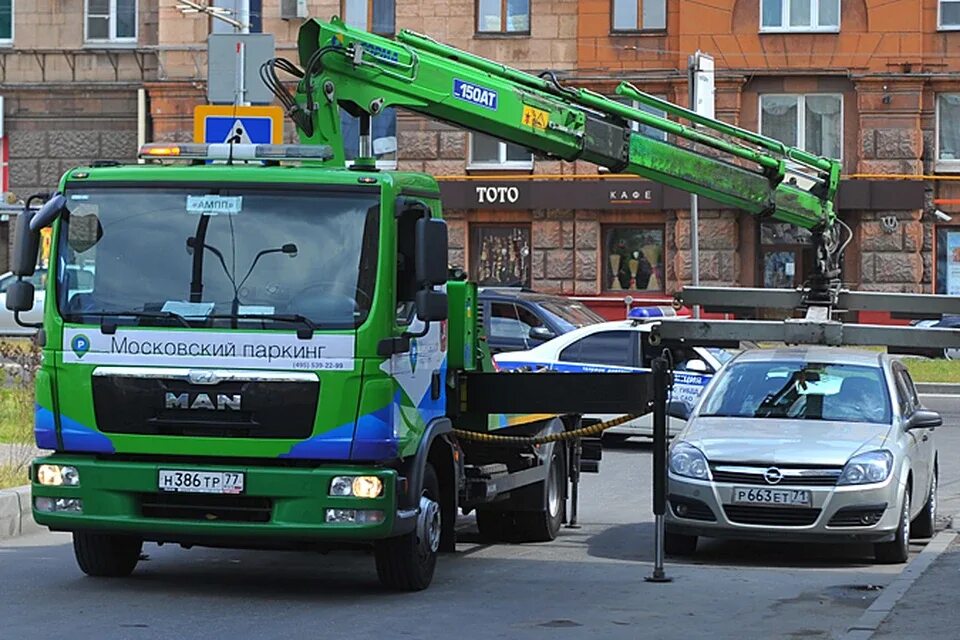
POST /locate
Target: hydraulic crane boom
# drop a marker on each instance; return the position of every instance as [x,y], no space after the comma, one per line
[364,73]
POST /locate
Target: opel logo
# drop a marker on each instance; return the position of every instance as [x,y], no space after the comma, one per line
[772,475]
[203,377]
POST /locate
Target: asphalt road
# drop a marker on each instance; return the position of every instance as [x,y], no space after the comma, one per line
[587,583]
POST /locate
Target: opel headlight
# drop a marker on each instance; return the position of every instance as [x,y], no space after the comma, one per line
[867,468]
[688,461]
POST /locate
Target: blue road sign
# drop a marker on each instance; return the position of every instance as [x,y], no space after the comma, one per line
[241,125]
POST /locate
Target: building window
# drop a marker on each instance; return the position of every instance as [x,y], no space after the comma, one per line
[812,122]
[375,16]
[487,152]
[639,15]
[6,21]
[948,132]
[800,15]
[249,12]
[633,258]
[383,130]
[503,16]
[111,20]
[949,17]
[948,260]
[500,255]
[786,255]
[650,132]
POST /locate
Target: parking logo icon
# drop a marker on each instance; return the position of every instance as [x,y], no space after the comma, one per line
[80,345]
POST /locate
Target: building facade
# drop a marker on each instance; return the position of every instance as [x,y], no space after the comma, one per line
[875,83]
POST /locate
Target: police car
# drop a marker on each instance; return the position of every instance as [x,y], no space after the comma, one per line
[621,346]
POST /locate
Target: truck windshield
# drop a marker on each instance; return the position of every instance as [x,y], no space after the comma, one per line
[216,257]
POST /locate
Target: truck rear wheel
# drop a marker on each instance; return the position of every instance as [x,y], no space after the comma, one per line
[544,525]
[106,556]
[407,562]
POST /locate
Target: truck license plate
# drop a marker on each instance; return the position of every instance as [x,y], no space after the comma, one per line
[772,497]
[200,481]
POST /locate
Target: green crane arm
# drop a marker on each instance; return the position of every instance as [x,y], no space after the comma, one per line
[364,73]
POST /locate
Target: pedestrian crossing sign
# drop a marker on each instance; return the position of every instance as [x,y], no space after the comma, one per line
[240,125]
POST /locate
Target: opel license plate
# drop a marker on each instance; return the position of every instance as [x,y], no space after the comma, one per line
[772,497]
[173,480]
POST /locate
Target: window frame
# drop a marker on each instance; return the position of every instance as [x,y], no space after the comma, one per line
[814,19]
[8,42]
[635,126]
[111,39]
[638,28]
[940,25]
[605,257]
[370,17]
[503,31]
[503,163]
[383,165]
[939,165]
[801,111]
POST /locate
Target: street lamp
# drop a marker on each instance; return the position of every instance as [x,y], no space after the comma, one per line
[188,6]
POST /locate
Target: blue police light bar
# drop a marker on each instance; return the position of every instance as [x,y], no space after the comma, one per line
[224,151]
[645,313]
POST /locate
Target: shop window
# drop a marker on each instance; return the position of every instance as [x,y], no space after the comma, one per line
[949,17]
[375,16]
[487,152]
[503,16]
[948,132]
[800,15]
[948,261]
[111,20]
[639,15]
[500,255]
[383,130]
[633,258]
[6,21]
[812,122]
[786,255]
[249,12]
[650,132]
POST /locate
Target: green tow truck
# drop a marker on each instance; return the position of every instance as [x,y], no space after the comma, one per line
[273,354]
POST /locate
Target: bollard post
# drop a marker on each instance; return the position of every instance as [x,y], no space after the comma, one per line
[660,382]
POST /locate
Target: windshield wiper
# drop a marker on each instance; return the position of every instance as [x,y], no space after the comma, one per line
[109,328]
[305,333]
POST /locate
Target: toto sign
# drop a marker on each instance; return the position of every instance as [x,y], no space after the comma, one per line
[497,195]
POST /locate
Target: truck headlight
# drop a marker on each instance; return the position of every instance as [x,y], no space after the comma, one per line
[867,468]
[55,475]
[356,486]
[688,461]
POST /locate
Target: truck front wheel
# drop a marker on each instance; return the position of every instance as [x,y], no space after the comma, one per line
[106,556]
[407,562]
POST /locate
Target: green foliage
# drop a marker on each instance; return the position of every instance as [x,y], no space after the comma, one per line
[923,370]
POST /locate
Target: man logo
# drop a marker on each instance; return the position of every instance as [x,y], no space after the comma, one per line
[203,401]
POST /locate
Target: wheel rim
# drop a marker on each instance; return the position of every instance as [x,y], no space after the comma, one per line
[906,523]
[428,526]
[554,491]
[933,501]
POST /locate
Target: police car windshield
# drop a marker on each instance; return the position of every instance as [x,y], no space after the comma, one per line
[218,257]
[571,315]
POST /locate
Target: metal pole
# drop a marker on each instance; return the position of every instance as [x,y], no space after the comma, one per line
[575,452]
[366,142]
[660,374]
[694,198]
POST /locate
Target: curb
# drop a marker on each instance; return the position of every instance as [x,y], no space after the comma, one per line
[873,617]
[944,388]
[16,517]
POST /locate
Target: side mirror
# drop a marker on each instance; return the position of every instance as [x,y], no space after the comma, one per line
[431,305]
[541,333]
[49,212]
[678,409]
[20,296]
[697,366]
[26,246]
[431,252]
[921,418]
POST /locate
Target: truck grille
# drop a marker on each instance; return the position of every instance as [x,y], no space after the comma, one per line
[773,516]
[259,407]
[208,508]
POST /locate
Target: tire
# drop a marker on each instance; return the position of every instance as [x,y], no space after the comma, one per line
[407,563]
[925,525]
[678,544]
[544,525]
[897,551]
[106,556]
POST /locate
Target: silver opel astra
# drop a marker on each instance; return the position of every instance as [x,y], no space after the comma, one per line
[808,444]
